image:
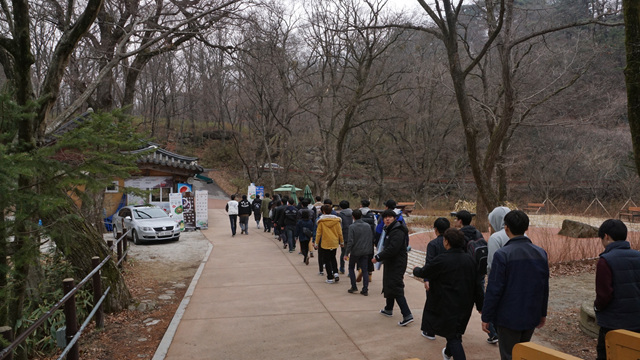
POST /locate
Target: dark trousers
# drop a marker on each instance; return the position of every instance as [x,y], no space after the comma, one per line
[244,223]
[304,248]
[509,338]
[234,223]
[362,263]
[290,231]
[257,216]
[328,259]
[454,347]
[601,348]
[267,223]
[402,304]
[426,326]
[342,250]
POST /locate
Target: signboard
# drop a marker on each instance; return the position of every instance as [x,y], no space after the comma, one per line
[202,209]
[175,201]
[182,188]
[260,191]
[189,210]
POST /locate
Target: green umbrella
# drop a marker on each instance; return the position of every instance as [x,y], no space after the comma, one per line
[293,193]
[307,193]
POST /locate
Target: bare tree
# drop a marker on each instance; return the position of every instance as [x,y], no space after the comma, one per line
[352,72]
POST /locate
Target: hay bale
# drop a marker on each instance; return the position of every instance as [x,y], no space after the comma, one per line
[576,229]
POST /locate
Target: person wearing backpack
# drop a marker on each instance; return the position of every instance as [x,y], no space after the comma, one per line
[256,205]
[266,218]
[358,250]
[496,241]
[304,232]
[244,211]
[463,222]
[454,289]
[346,215]
[435,247]
[290,219]
[370,218]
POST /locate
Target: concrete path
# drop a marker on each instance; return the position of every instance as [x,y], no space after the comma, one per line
[254,300]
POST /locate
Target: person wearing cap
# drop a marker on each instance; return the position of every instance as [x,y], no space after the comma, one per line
[617,304]
[394,258]
[463,222]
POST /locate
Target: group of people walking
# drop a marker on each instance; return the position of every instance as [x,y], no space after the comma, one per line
[458,261]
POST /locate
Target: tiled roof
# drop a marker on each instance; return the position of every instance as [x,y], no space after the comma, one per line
[167,158]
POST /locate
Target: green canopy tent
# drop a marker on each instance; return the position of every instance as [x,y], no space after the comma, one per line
[291,188]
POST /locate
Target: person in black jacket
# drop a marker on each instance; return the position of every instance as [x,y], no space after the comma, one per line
[435,247]
[617,303]
[393,255]
[463,222]
[244,210]
[454,287]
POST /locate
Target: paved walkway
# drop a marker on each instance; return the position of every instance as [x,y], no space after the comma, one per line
[254,300]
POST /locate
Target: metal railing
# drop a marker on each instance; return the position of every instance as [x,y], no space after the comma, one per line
[72,332]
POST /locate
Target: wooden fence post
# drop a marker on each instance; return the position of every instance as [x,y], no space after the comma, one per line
[71,319]
[109,244]
[7,334]
[97,292]
[125,243]
[120,251]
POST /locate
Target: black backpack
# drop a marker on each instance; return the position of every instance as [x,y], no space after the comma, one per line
[257,205]
[480,252]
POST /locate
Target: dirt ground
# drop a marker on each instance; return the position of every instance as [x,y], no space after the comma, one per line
[159,274]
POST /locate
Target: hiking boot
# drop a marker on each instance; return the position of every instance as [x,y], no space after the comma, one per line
[406,321]
[386,312]
[365,292]
[311,254]
[306,261]
[429,336]
[359,277]
[352,290]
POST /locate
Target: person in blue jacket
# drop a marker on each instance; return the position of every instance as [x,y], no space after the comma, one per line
[518,287]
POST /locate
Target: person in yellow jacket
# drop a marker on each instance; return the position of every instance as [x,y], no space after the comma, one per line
[327,239]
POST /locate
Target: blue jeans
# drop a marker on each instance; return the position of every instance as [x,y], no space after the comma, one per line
[234,223]
[290,230]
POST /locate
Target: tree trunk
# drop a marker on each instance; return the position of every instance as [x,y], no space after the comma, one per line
[632,72]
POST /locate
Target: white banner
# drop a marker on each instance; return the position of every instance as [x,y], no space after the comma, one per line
[202,209]
[175,200]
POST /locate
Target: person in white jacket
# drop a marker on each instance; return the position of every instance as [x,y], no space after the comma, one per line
[497,240]
[232,210]
[498,236]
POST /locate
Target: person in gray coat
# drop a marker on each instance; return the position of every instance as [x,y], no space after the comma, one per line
[358,250]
